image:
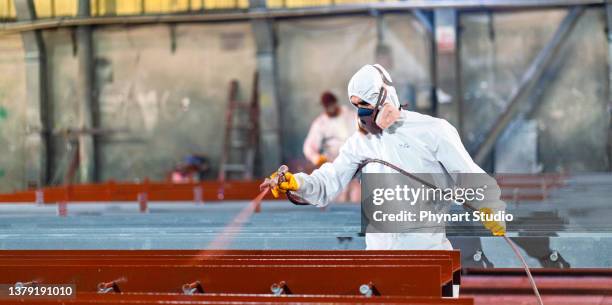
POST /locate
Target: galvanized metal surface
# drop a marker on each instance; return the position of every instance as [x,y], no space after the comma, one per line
[516,150]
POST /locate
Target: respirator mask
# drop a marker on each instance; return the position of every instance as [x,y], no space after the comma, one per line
[384,113]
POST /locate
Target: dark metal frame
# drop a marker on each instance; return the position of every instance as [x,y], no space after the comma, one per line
[531,75]
[270,13]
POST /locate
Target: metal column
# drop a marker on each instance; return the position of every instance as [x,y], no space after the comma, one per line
[609,36]
[87,155]
[269,134]
[38,142]
[426,20]
[448,94]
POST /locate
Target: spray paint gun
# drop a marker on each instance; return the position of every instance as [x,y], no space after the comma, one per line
[271,183]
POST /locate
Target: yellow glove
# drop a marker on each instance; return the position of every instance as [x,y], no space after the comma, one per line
[322,159]
[289,184]
[496,228]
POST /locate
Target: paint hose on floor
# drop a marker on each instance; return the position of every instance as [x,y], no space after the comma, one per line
[526,267]
[300,201]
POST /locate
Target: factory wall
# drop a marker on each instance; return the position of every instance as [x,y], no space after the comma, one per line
[571,112]
[12,113]
[163,95]
[162,104]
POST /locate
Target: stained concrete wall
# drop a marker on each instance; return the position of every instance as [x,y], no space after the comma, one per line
[165,104]
[159,100]
[162,100]
[12,114]
[571,112]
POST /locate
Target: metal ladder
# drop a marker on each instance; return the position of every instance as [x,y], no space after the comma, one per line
[241,135]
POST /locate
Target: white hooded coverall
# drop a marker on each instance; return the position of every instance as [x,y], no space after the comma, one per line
[416,143]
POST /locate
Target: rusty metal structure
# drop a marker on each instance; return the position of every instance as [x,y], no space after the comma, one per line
[287,277]
[239,276]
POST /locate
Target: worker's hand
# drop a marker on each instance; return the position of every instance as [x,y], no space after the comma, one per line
[496,228]
[288,183]
[321,160]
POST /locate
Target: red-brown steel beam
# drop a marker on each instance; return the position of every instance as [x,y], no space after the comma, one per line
[576,272]
[214,191]
[133,298]
[528,299]
[445,264]
[253,279]
[496,284]
[550,280]
[126,192]
[453,255]
[195,255]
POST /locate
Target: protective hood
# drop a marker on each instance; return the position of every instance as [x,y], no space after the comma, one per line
[366,84]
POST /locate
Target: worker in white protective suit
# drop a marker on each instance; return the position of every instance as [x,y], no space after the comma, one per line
[327,134]
[414,142]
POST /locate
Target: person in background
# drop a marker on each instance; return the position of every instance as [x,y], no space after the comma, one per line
[327,134]
[199,165]
[181,174]
[193,169]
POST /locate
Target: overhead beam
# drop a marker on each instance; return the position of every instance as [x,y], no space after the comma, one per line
[293,13]
[425,21]
[531,75]
[38,142]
